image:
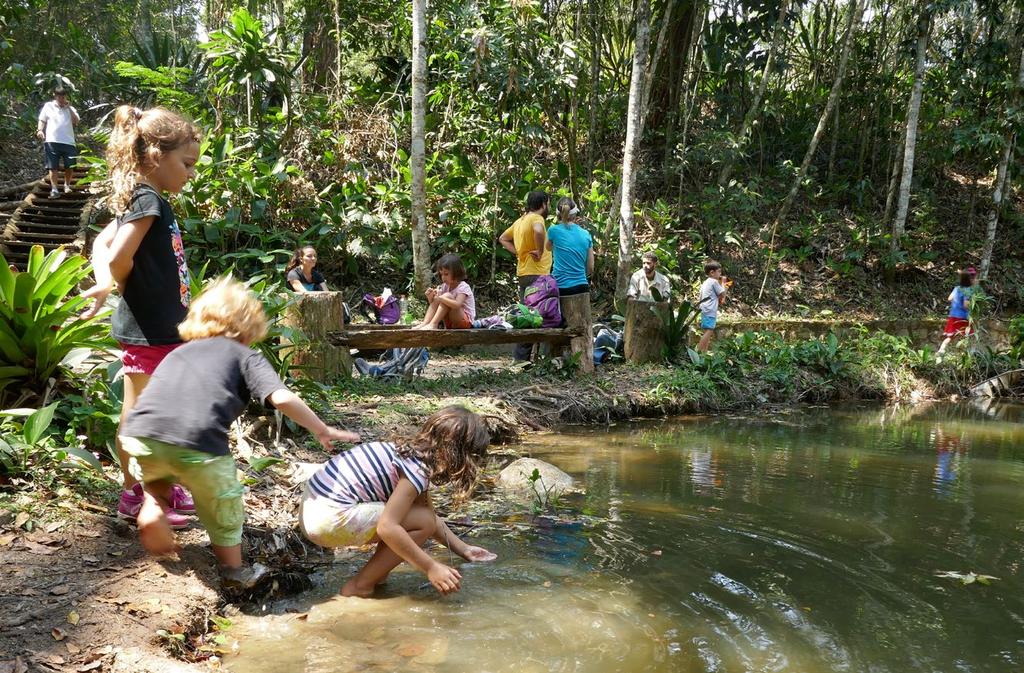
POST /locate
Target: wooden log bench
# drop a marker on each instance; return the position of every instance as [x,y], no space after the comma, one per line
[403,336]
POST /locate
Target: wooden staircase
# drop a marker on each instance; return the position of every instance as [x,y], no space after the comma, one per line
[40,220]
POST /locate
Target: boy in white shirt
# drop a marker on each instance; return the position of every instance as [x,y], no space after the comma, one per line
[712,291]
[56,129]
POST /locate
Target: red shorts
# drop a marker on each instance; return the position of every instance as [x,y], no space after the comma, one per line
[957,327]
[461,322]
[144,359]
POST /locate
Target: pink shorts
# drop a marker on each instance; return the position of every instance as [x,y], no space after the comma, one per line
[144,359]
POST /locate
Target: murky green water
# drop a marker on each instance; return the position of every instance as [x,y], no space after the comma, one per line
[805,542]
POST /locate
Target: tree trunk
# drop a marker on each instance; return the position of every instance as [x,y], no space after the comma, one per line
[576,311]
[634,131]
[420,240]
[755,106]
[894,181]
[595,77]
[856,9]
[924,24]
[315,315]
[643,340]
[1002,181]
[659,47]
[852,22]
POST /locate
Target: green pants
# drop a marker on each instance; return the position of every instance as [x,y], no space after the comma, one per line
[210,478]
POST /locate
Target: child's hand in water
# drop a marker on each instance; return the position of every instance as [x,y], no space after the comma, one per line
[331,435]
[478,554]
[444,578]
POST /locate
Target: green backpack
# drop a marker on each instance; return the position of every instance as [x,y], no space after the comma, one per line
[524,317]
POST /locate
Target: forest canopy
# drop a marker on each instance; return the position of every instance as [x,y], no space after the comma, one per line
[825,144]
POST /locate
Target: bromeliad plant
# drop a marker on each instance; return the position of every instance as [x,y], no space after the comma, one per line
[675,324]
[39,317]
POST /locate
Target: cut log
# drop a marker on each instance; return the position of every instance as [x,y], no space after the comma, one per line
[373,337]
[317,315]
[999,386]
[576,313]
[644,341]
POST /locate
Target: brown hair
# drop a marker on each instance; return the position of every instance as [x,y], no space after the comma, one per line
[565,208]
[451,444]
[296,260]
[453,263]
[966,279]
[137,143]
[712,265]
[225,308]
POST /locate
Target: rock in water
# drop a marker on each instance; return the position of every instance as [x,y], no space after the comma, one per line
[516,478]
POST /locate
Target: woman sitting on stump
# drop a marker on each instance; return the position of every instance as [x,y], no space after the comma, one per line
[302,275]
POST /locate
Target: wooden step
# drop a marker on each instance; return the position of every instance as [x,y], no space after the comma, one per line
[70,218]
[46,208]
[42,237]
[47,226]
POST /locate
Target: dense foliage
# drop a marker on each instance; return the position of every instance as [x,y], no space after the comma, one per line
[307,110]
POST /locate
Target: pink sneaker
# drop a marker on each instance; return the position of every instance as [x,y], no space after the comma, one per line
[131,502]
[181,500]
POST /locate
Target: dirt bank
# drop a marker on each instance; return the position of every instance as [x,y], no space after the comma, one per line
[80,595]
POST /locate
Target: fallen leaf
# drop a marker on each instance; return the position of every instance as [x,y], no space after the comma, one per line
[42,538]
[90,559]
[89,533]
[5,540]
[73,617]
[303,617]
[21,519]
[51,660]
[94,508]
[115,553]
[72,648]
[15,665]
[60,590]
[656,552]
[52,526]
[58,633]
[547,583]
[91,666]
[35,548]
[29,592]
[411,650]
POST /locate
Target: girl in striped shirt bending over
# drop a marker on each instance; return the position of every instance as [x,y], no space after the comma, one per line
[377,492]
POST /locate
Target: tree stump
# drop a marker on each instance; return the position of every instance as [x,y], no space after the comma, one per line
[315,314]
[576,312]
[643,338]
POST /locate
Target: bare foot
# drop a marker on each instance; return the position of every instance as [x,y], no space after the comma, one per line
[478,554]
[154,531]
[353,589]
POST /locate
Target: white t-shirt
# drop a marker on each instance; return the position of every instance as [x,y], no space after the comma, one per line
[59,128]
[710,290]
[640,286]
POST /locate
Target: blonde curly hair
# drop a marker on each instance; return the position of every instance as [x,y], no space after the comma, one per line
[138,141]
[225,308]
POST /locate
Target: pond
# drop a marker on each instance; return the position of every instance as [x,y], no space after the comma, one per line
[810,540]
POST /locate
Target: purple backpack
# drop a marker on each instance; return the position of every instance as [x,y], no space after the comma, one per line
[542,294]
[388,314]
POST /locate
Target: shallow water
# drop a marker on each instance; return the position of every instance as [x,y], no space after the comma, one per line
[804,542]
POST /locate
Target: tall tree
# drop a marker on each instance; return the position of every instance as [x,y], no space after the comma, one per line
[924,29]
[420,241]
[634,131]
[856,9]
[1002,176]
[755,106]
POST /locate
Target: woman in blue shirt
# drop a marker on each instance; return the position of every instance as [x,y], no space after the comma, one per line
[573,250]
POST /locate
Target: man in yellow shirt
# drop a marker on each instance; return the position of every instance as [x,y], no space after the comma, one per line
[526,240]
